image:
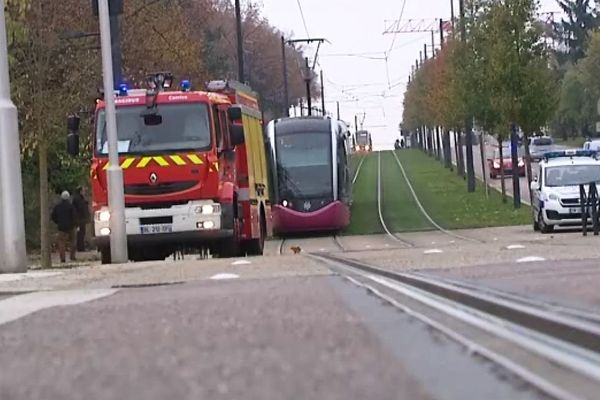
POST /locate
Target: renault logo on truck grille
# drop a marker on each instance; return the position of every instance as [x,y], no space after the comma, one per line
[153,178]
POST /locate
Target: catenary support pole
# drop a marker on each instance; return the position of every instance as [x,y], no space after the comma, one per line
[286,95]
[468,120]
[12,221]
[308,80]
[322,94]
[116,195]
[240,42]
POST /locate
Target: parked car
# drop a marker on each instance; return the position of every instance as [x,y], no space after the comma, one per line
[538,146]
[494,163]
[593,144]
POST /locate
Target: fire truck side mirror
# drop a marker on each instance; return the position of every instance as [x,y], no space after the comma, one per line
[234,114]
[73,135]
[237,135]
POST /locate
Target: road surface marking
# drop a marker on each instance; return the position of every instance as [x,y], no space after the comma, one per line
[33,274]
[515,247]
[219,277]
[433,251]
[530,259]
[241,262]
[20,306]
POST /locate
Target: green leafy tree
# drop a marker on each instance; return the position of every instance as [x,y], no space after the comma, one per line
[574,30]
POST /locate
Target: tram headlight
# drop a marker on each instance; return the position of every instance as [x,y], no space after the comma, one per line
[357,148]
[367,147]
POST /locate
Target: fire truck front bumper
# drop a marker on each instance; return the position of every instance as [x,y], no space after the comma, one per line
[189,223]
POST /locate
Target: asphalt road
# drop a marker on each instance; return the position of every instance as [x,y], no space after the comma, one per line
[275,327]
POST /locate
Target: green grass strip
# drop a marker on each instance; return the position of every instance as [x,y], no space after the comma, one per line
[400,211]
[444,195]
[365,219]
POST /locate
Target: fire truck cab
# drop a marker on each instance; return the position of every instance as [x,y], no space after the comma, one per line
[194,170]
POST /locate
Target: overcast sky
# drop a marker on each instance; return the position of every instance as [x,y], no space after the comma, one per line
[363,83]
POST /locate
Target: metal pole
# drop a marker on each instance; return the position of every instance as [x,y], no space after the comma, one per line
[338,110]
[452,15]
[240,42]
[425,50]
[307,78]
[116,195]
[468,120]
[12,220]
[441,33]
[117,56]
[514,143]
[356,123]
[322,94]
[286,95]
[432,43]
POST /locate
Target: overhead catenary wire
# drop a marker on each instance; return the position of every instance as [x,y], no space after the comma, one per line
[303,18]
[396,34]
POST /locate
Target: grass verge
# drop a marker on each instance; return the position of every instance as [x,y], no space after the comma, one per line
[400,210]
[364,219]
[445,197]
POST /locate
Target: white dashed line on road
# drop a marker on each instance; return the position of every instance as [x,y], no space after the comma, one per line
[241,262]
[515,247]
[433,251]
[220,277]
[530,259]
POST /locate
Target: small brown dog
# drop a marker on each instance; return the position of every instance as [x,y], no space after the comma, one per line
[296,249]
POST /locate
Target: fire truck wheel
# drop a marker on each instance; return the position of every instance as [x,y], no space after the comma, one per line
[256,247]
[105,255]
[231,247]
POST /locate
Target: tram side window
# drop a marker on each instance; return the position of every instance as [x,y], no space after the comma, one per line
[342,162]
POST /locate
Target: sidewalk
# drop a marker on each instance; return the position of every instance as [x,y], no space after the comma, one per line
[83,259]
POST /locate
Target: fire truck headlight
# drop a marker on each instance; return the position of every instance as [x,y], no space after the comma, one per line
[209,225]
[105,231]
[207,209]
[103,216]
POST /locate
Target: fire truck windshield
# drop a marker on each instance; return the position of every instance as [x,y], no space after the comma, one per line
[183,127]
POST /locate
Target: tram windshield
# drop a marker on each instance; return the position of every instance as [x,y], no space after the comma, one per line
[304,165]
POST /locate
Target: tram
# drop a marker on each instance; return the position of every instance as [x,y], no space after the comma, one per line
[311,182]
[364,144]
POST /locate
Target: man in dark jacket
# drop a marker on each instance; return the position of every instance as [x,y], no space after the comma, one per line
[63,215]
[82,211]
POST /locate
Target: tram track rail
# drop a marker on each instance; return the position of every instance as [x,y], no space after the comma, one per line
[553,349]
[393,236]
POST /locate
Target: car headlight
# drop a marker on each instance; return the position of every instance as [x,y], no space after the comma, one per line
[553,197]
[285,203]
[496,165]
[105,231]
[103,216]
[521,163]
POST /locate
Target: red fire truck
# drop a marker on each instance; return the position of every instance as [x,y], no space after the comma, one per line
[194,166]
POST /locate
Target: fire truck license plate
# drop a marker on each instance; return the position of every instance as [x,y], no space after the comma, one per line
[153,229]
